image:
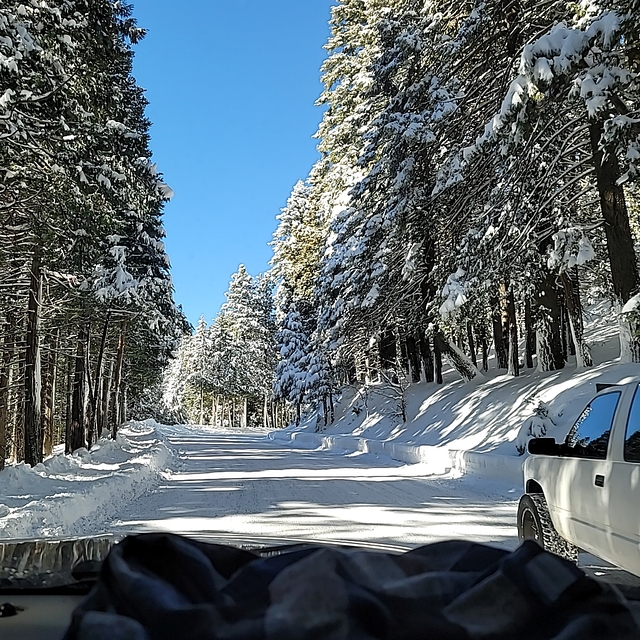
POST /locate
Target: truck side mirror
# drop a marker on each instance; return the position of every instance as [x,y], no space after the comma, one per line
[543,447]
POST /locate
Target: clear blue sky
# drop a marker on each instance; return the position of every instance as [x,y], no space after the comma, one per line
[231,87]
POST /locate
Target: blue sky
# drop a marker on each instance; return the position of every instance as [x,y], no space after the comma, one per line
[231,87]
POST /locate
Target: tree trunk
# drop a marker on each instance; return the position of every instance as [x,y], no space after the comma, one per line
[245,418]
[18,408]
[45,422]
[437,358]
[103,421]
[5,382]
[404,358]
[89,407]
[505,325]
[498,337]
[388,349]
[482,336]
[68,399]
[574,310]
[265,412]
[472,344]
[49,395]
[4,413]
[530,335]
[33,379]
[117,382]
[564,330]
[514,358]
[460,362]
[620,245]
[414,359]
[547,325]
[201,421]
[76,436]
[96,406]
[427,357]
[123,404]
[571,345]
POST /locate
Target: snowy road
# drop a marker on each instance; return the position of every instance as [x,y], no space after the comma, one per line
[245,487]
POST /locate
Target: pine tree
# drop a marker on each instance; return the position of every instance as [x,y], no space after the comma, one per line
[292,368]
[568,107]
[297,245]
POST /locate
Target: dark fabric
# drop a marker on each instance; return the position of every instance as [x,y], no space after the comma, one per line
[164,587]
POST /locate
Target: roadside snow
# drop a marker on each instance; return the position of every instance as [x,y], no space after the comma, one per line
[71,494]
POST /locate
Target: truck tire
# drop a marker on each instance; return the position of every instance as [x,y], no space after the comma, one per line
[534,523]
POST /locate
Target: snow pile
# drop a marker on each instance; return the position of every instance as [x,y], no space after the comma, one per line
[453,293]
[70,494]
[571,247]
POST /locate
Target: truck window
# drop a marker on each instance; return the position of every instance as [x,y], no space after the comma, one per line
[632,437]
[589,436]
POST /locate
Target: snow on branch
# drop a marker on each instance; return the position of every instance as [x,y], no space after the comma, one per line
[454,293]
[571,247]
[582,58]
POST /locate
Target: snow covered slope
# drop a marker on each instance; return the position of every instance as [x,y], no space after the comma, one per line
[486,414]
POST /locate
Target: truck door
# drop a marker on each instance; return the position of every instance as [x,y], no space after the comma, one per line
[624,490]
[588,473]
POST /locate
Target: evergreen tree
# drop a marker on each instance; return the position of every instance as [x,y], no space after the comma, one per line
[292,369]
[297,245]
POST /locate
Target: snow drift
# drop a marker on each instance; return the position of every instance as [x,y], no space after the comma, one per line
[70,494]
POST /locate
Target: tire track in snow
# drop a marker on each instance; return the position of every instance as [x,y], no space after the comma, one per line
[244,486]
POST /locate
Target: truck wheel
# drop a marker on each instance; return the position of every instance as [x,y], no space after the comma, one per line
[534,523]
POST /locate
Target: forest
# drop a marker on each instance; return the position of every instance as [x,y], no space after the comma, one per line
[87,318]
[476,189]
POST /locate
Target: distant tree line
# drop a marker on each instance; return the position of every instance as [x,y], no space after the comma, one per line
[223,372]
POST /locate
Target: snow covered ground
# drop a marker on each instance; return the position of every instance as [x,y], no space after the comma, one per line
[257,486]
[75,494]
[484,415]
[245,487]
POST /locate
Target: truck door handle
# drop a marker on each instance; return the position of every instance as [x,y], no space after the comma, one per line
[599,481]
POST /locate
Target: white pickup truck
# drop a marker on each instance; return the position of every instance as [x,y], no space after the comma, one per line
[585,492]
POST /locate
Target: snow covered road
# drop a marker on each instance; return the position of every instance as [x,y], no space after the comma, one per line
[243,486]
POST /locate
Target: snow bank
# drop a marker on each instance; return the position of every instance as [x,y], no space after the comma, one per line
[69,494]
[434,460]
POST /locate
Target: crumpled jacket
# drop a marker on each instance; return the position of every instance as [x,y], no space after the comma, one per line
[165,587]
